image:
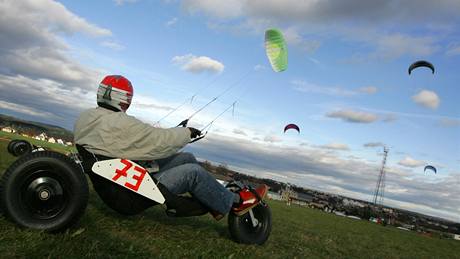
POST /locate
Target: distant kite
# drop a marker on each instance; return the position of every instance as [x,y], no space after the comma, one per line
[276,50]
[431,168]
[421,63]
[292,126]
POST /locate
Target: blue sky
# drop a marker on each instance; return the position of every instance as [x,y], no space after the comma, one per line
[346,86]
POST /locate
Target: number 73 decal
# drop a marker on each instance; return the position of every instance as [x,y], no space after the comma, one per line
[130,175]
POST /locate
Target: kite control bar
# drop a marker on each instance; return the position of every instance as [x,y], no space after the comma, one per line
[208,126]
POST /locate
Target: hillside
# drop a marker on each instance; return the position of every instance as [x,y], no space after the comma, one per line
[33,128]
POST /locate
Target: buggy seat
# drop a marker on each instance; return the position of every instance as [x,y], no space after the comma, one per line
[128,202]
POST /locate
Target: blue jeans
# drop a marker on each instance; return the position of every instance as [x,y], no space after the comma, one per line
[181,173]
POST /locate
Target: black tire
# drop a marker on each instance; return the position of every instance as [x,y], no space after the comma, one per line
[20,148]
[241,228]
[44,190]
[10,146]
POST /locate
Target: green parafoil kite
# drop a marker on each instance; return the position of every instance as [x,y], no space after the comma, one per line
[276,49]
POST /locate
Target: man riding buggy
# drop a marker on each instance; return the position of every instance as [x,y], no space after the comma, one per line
[106,134]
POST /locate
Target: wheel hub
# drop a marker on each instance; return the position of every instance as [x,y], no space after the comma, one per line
[44,197]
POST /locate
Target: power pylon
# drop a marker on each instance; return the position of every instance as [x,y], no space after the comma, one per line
[380,187]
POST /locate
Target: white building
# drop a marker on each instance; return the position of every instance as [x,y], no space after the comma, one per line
[42,136]
[68,143]
[8,129]
[51,140]
[348,202]
[59,141]
[457,237]
[274,196]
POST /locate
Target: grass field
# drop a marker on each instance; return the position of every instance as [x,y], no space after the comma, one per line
[298,232]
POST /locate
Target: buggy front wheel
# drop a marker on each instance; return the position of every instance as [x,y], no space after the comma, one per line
[253,227]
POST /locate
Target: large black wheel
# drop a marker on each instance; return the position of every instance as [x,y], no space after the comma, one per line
[44,190]
[243,230]
[19,147]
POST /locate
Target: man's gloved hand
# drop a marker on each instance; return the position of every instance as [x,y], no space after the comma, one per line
[194,133]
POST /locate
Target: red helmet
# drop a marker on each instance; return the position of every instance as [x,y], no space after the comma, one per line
[116,92]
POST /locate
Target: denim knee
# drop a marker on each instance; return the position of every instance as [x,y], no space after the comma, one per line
[188,157]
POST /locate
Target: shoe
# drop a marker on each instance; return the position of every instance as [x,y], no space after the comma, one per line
[249,199]
[217,215]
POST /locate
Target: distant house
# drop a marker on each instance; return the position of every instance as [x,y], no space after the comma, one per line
[51,140]
[316,205]
[42,136]
[349,202]
[9,130]
[302,199]
[68,143]
[457,237]
[59,141]
[274,196]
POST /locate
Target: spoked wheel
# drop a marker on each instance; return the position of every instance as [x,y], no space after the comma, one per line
[253,227]
[44,190]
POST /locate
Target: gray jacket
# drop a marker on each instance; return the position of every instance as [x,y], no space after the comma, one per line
[116,134]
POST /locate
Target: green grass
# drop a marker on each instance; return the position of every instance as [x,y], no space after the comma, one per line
[298,232]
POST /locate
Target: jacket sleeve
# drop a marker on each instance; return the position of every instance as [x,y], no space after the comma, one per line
[145,142]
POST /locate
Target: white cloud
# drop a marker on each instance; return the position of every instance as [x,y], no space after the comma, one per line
[194,64]
[36,71]
[239,132]
[374,144]
[314,11]
[335,146]
[146,103]
[272,139]
[24,109]
[392,46]
[113,45]
[221,9]
[389,117]
[307,87]
[46,96]
[45,15]
[453,49]
[410,162]
[122,2]
[427,99]
[292,37]
[357,21]
[368,89]
[353,116]
[259,67]
[446,122]
[171,22]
